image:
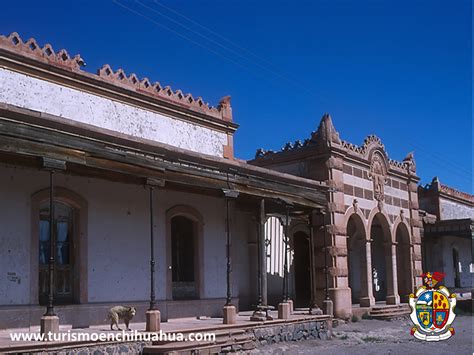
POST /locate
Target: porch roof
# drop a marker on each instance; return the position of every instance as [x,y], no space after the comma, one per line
[450,227]
[27,136]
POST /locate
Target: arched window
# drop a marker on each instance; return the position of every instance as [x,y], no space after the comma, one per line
[63,241]
[69,236]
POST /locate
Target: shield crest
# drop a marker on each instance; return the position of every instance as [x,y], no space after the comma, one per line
[440,318]
[432,313]
[440,309]
[424,309]
[424,317]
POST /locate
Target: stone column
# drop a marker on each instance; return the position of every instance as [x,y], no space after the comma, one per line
[259,314]
[313,306]
[392,281]
[367,298]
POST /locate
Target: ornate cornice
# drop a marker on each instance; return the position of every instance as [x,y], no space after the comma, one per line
[46,54]
[326,139]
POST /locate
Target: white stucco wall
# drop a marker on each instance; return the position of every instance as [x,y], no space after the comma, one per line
[454,210]
[118,237]
[43,96]
[440,258]
[244,281]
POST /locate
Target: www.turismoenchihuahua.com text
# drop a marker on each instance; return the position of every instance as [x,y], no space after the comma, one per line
[68,336]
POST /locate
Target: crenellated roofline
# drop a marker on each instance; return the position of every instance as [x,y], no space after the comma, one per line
[443,190]
[45,54]
[327,138]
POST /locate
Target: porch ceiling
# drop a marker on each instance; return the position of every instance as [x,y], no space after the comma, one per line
[25,142]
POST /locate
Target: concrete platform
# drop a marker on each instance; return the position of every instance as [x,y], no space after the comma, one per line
[298,326]
[89,314]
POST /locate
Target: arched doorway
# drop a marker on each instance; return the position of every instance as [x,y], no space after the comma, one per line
[381,251]
[184,258]
[358,265]
[302,269]
[404,267]
[63,237]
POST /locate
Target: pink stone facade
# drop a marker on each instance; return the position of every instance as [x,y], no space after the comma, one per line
[373,224]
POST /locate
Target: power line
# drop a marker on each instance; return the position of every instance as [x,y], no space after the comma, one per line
[275,73]
[284,77]
[449,162]
[216,34]
[177,33]
[226,48]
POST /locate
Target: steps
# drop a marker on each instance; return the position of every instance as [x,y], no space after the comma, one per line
[389,311]
[232,339]
[246,336]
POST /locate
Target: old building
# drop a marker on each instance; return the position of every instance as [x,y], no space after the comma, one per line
[148,204]
[373,225]
[448,234]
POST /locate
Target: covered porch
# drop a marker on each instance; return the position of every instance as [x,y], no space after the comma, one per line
[119,208]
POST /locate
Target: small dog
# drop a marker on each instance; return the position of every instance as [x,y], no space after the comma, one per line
[118,313]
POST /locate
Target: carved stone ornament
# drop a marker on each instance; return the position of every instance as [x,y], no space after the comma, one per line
[355,204]
[378,174]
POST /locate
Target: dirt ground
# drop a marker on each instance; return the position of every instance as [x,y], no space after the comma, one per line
[380,337]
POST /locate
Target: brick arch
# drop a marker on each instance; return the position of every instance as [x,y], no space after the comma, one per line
[298,227]
[187,211]
[402,237]
[387,266]
[358,262]
[401,222]
[384,221]
[80,207]
[350,212]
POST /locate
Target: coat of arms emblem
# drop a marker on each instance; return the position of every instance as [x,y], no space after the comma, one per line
[432,309]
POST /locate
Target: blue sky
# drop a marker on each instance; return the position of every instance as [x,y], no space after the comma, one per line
[399,69]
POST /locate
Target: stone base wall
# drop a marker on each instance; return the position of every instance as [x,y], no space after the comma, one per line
[109,349]
[258,336]
[293,332]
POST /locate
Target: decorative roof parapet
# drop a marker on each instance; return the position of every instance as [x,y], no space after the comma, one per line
[289,146]
[371,140]
[363,149]
[46,54]
[223,110]
[437,186]
[324,136]
[327,136]
[456,193]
